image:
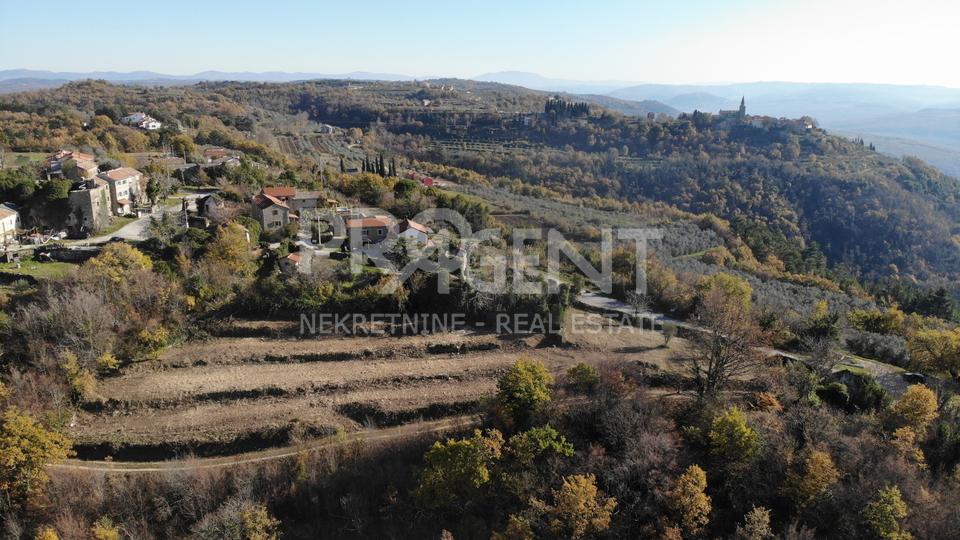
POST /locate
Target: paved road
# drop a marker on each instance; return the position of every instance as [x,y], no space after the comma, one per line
[887,377]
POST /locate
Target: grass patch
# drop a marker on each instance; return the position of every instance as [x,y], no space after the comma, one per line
[117,224]
[16,159]
[30,267]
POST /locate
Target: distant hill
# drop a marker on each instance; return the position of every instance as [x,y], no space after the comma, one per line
[910,120]
[9,86]
[829,103]
[624,106]
[272,76]
[536,82]
[942,157]
[937,126]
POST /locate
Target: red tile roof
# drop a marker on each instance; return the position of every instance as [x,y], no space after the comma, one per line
[266,201]
[292,256]
[408,224]
[280,191]
[365,222]
[120,174]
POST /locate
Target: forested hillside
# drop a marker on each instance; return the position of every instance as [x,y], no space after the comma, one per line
[183,344]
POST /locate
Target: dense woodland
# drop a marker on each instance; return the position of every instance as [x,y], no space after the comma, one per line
[775,234]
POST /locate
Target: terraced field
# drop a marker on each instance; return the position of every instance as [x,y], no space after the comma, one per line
[237,394]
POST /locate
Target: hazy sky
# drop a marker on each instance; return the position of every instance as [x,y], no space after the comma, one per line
[664,41]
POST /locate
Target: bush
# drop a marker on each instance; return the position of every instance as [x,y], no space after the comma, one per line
[887,348]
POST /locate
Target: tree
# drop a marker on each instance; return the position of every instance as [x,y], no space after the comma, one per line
[231,249]
[669,332]
[688,504]
[936,350]
[756,525]
[518,528]
[457,470]
[579,510]
[822,354]
[638,301]
[882,515]
[46,533]
[916,408]
[163,229]
[183,145]
[584,376]
[727,346]
[259,525]
[732,437]
[818,474]
[524,389]
[117,260]
[104,529]
[26,448]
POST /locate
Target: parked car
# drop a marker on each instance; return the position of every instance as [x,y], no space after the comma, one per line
[116,239]
[79,235]
[914,378]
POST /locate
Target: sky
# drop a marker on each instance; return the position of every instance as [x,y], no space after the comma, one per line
[668,42]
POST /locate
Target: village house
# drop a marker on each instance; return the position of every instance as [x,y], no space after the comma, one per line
[290,264]
[141,120]
[372,230]
[133,118]
[271,212]
[412,230]
[9,223]
[296,200]
[126,189]
[210,206]
[90,206]
[214,153]
[149,124]
[71,164]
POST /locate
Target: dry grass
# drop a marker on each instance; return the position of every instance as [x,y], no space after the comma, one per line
[226,388]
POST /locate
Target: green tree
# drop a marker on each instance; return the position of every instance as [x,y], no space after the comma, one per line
[183,146]
[584,376]
[26,448]
[524,388]
[936,350]
[882,516]
[731,437]
[231,249]
[580,510]
[457,471]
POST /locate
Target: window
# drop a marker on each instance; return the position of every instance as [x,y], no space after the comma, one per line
[379,232]
[366,232]
[275,212]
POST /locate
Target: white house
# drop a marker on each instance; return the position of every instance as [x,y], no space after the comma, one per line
[133,118]
[9,222]
[149,124]
[290,264]
[126,189]
[413,230]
